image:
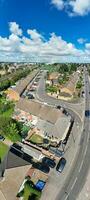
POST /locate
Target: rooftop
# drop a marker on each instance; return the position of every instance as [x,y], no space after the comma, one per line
[24,82]
[44,112]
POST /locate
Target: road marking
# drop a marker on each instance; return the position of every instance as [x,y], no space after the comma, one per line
[66,197]
[74,183]
[81,166]
[85,151]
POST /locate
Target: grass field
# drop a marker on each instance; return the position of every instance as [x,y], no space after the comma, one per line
[3,150]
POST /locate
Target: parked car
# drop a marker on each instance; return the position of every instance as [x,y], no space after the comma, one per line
[61,164]
[42,167]
[2,138]
[51,163]
[59,107]
[87,113]
[30,96]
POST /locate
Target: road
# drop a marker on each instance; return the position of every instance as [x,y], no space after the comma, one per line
[76,179]
[77,176]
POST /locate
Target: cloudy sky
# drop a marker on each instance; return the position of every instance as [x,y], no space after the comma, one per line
[45,30]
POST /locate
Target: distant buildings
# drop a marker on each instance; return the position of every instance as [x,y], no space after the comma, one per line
[14,93]
[70,87]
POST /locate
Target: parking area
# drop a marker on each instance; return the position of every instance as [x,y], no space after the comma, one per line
[30,91]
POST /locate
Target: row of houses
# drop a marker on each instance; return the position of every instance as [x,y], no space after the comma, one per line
[50,120]
[69,88]
[15,92]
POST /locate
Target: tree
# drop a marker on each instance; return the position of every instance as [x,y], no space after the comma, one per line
[6,68]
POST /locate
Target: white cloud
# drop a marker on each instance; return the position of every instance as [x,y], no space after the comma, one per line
[14,28]
[73,7]
[80,7]
[34,35]
[87,45]
[81,40]
[59,4]
[17,47]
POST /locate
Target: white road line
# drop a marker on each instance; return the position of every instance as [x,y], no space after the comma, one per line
[81,166]
[88,137]
[85,151]
[66,197]
[74,183]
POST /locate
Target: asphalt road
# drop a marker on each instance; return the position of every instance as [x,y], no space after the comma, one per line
[77,176]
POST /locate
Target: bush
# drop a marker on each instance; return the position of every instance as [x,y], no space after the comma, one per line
[20,194]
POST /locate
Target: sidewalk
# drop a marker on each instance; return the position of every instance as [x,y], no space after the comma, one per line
[85,192]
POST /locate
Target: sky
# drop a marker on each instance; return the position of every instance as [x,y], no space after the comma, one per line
[45,30]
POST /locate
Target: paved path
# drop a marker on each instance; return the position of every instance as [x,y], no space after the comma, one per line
[85,192]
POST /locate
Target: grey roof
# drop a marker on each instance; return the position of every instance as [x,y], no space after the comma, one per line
[29,106]
[59,129]
[44,112]
[51,120]
[45,126]
[24,82]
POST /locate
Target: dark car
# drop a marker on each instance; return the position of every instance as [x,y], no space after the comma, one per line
[2,138]
[87,113]
[59,107]
[61,164]
[30,96]
[51,163]
[42,167]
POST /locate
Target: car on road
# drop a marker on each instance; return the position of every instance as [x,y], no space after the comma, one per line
[43,167]
[61,164]
[58,107]
[30,96]
[2,138]
[51,163]
[87,113]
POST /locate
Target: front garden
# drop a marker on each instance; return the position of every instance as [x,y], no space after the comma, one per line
[10,128]
[44,142]
[29,192]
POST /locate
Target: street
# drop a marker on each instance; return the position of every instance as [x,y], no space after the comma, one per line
[78,172]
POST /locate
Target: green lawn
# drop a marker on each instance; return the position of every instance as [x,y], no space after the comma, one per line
[3,150]
[36,139]
[29,192]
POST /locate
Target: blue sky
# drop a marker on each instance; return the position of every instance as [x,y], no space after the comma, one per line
[45,30]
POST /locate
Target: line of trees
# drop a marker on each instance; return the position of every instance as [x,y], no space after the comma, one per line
[4,84]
